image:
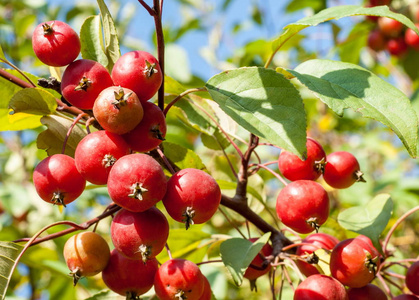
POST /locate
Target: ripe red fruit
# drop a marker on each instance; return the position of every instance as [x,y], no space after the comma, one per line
[293,168]
[258,261]
[97,152]
[320,287]
[303,205]
[82,82]
[354,262]
[139,235]
[139,71]
[57,180]
[390,27]
[192,196]
[397,46]
[376,41]
[412,38]
[179,279]
[207,293]
[136,182]
[118,110]
[129,277]
[412,278]
[151,131]
[55,43]
[342,170]
[86,254]
[379,2]
[368,292]
[317,241]
[405,297]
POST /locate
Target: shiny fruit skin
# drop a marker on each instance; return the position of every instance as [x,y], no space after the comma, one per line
[354,262]
[179,277]
[412,38]
[390,27]
[207,293]
[57,180]
[192,196]
[303,205]
[376,41]
[412,278]
[136,182]
[118,110]
[97,152]
[123,275]
[320,287]
[316,241]
[132,71]
[82,82]
[293,168]
[368,292]
[55,43]
[397,46]
[139,235]
[86,253]
[342,170]
[151,131]
[252,273]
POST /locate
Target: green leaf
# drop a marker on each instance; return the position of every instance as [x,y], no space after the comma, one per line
[8,254]
[238,253]
[264,103]
[52,139]
[343,85]
[182,157]
[2,56]
[370,219]
[34,101]
[110,35]
[103,295]
[338,12]
[296,5]
[91,41]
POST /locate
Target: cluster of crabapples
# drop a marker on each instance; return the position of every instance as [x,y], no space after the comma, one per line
[390,34]
[116,157]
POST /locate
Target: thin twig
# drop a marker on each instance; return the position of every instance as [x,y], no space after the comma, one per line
[232,223]
[19,70]
[70,130]
[147,7]
[180,96]
[166,162]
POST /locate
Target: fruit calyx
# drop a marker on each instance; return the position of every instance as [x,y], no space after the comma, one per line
[312,258]
[371,263]
[145,252]
[359,176]
[108,160]
[132,296]
[48,28]
[181,295]
[120,98]
[313,223]
[76,276]
[137,191]
[157,133]
[319,165]
[150,69]
[83,84]
[188,216]
[58,198]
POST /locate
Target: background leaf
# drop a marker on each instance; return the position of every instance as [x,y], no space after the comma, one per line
[264,103]
[343,85]
[34,101]
[91,40]
[182,157]
[370,219]
[8,253]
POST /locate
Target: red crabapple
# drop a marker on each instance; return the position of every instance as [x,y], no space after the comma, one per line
[118,110]
[412,38]
[320,287]
[57,180]
[376,41]
[139,235]
[55,43]
[136,182]
[342,170]
[139,71]
[303,205]
[412,278]
[390,27]
[86,254]
[151,131]
[192,196]
[370,291]
[82,82]
[397,46]
[259,261]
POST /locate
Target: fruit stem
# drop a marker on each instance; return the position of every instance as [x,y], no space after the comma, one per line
[168,251]
[180,96]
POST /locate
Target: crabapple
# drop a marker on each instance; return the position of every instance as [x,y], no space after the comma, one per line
[118,110]
[258,261]
[412,278]
[97,152]
[412,38]
[136,182]
[316,241]
[192,196]
[303,205]
[86,254]
[139,71]
[151,131]
[320,287]
[139,235]
[354,262]
[397,46]
[179,279]
[82,82]
[55,43]
[390,27]
[342,170]
[293,168]
[405,297]
[129,277]
[370,291]
[376,41]
[57,179]
[207,293]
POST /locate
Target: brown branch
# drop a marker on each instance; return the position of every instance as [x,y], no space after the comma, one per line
[14,79]
[160,48]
